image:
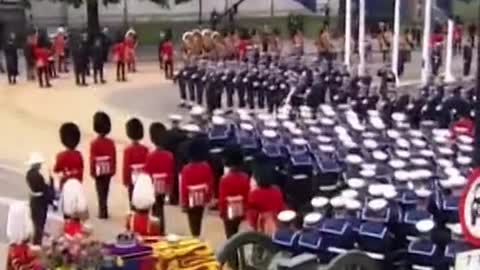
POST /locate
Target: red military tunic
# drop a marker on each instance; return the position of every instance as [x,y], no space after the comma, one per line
[119,52]
[196,184]
[134,157]
[59,45]
[72,227]
[264,201]
[20,257]
[166,51]
[69,163]
[160,165]
[463,126]
[41,57]
[142,224]
[233,194]
[130,48]
[103,157]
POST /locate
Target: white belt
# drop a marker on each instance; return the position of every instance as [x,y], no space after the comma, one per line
[412,238]
[327,188]
[420,267]
[375,256]
[337,250]
[36,194]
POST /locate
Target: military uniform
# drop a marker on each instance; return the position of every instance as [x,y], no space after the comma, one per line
[11,59]
[81,55]
[75,208]
[69,163]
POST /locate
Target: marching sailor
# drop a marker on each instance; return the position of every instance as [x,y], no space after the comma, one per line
[103,161]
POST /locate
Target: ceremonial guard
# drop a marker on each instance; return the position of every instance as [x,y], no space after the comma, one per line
[103,161]
[59,47]
[20,255]
[233,191]
[11,58]
[98,60]
[197,46]
[298,45]
[75,209]
[166,52]
[41,63]
[134,155]
[40,196]
[208,45]
[80,60]
[265,201]
[276,45]
[196,184]
[220,47]
[143,197]
[424,253]
[69,162]
[52,69]
[131,43]
[119,56]
[160,165]
[29,53]
[187,47]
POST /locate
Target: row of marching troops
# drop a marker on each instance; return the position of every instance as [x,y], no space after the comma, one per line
[46,56]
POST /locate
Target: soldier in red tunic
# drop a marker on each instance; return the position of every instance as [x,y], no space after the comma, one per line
[160,165]
[103,160]
[196,184]
[69,162]
[75,208]
[234,189]
[19,229]
[134,156]
[139,221]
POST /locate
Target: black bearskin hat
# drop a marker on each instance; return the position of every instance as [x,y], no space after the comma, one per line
[198,149]
[157,134]
[70,135]
[101,123]
[134,129]
[264,174]
[233,156]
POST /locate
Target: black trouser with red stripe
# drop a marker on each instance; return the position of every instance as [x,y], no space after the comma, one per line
[159,211]
[195,218]
[102,185]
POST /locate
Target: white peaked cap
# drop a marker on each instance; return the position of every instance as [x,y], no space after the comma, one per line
[324,139]
[441,132]
[271,124]
[354,159]
[390,194]
[377,123]
[326,107]
[465,148]
[327,121]
[246,126]
[464,160]
[245,117]
[369,143]
[310,122]
[427,153]
[424,173]
[419,161]
[191,128]
[296,131]
[269,133]
[358,127]
[329,113]
[369,166]
[425,226]
[375,190]
[402,175]
[423,192]
[315,130]
[458,181]
[367,173]
[289,124]
[440,140]
[19,223]
[397,163]
[185,35]
[143,196]
[377,204]
[319,202]
[328,148]
[379,155]
[306,115]
[218,120]
[340,130]
[356,183]
[456,229]
[175,117]
[337,202]
[349,194]
[264,116]
[286,216]
[300,141]
[445,163]
[465,139]
[373,113]
[402,153]
[415,133]
[350,143]
[352,204]
[282,116]
[445,151]
[392,133]
[312,218]
[419,142]
[35,158]
[446,183]
[399,117]
[197,110]
[218,112]
[452,171]
[74,200]
[402,143]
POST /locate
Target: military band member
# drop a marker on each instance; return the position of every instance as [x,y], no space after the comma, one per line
[41,63]
[59,45]
[467,59]
[20,255]
[324,44]
[134,156]
[384,40]
[160,165]
[119,56]
[220,47]
[208,47]
[69,162]
[131,43]
[187,47]
[298,45]
[40,196]
[233,191]
[229,41]
[197,46]
[75,209]
[196,185]
[143,197]
[103,161]
[276,42]
[11,59]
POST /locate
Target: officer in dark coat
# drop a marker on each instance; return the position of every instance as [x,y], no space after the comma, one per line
[80,59]
[11,58]
[40,196]
[467,59]
[98,60]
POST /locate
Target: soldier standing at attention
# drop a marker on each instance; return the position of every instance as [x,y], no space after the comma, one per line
[29,53]
[166,52]
[103,161]
[80,60]
[59,46]
[41,63]
[11,58]
[98,60]
[467,58]
[119,52]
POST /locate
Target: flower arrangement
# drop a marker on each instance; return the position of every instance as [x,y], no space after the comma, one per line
[77,253]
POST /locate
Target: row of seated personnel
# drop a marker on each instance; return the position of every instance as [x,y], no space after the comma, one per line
[414,238]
